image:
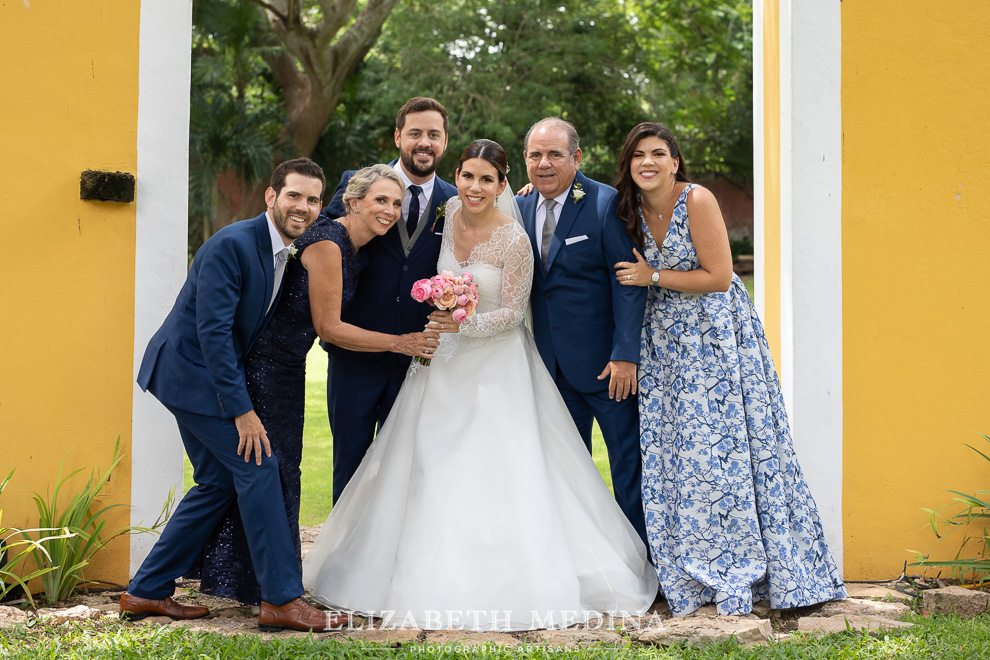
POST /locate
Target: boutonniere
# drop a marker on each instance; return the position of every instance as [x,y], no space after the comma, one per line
[293,251]
[440,214]
[577,192]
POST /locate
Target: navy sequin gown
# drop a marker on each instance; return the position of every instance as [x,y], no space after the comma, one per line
[276,381]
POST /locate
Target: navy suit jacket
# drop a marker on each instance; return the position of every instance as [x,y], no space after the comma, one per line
[195,362]
[382,301]
[582,317]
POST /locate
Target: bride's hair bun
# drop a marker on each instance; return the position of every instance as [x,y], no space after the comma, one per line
[490,151]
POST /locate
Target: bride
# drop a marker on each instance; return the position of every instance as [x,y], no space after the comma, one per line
[478,506]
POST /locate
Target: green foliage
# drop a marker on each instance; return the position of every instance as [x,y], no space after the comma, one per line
[14,550]
[967,513]
[82,521]
[605,65]
[235,109]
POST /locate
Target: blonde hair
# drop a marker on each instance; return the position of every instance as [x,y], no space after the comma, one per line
[364,178]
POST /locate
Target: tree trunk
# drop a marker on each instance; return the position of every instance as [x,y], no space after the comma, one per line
[312,72]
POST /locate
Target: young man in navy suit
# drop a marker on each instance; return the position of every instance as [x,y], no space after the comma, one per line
[361,387]
[194,365]
[587,327]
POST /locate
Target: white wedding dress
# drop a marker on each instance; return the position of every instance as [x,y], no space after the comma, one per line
[477,506]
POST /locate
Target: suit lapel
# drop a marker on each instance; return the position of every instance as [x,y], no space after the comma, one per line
[568,214]
[266,261]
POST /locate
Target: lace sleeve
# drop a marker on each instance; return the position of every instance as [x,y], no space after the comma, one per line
[515,254]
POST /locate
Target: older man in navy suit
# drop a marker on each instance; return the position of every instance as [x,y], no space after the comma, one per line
[194,365]
[361,387]
[587,327]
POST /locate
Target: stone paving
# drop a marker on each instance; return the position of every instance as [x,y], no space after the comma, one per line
[870,607]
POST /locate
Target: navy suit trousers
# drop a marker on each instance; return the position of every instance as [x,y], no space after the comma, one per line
[221,475]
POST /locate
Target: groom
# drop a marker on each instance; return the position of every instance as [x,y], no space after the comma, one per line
[361,387]
[194,365]
[587,326]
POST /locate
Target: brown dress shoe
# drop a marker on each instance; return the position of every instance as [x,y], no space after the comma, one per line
[298,615]
[135,609]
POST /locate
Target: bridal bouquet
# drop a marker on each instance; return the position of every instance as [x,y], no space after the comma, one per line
[447,292]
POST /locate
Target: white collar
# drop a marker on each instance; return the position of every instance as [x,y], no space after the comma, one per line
[277,243]
[560,199]
[427,187]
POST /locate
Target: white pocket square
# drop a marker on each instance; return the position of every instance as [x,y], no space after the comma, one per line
[438,233]
[575,239]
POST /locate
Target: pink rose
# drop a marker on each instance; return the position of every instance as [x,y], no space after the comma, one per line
[436,293]
[447,300]
[421,290]
[462,300]
[469,308]
[458,289]
[474,291]
[446,274]
[436,281]
[458,316]
[467,277]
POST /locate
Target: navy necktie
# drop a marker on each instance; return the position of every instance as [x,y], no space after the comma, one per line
[413,218]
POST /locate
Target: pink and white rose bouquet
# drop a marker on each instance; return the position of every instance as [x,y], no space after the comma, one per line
[457,294]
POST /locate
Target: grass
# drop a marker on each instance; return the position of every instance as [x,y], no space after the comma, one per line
[317,461]
[935,637]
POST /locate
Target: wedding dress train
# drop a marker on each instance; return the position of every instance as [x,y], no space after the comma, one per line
[478,506]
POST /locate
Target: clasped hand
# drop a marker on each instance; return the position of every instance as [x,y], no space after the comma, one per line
[442,322]
[628,273]
[418,344]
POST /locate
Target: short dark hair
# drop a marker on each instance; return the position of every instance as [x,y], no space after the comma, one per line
[420,104]
[303,166]
[490,151]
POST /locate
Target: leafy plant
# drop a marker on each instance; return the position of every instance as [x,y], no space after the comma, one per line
[974,550]
[14,550]
[65,557]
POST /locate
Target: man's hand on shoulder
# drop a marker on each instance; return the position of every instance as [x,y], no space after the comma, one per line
[252,436]
[623,379]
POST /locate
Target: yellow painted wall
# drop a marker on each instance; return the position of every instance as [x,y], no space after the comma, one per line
[771,174]
[916,268]
[70,74]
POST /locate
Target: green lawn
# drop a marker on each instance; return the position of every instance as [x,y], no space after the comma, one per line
[936,637]
[317,473]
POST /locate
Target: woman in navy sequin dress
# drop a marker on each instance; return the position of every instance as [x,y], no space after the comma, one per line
[276,365]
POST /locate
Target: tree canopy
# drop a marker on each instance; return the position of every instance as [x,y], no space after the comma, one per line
[604,65]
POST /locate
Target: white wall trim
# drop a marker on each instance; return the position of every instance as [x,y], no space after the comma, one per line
[811,248]
[759,164]
[160,251]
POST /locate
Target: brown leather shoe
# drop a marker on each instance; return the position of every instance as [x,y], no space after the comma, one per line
[135,609]
[298,615]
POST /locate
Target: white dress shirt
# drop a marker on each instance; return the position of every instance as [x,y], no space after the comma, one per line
[541,215]
[424,197]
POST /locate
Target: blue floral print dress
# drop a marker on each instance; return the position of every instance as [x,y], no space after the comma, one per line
[729,516]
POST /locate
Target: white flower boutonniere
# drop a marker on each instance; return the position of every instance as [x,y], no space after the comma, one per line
[577,193]
[293,251]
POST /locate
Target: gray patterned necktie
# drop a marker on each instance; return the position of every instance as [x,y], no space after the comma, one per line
[280,259]
[549,224]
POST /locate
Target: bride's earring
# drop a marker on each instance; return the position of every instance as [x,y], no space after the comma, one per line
[496,202]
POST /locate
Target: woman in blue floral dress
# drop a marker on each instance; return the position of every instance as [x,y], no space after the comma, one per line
[729,516]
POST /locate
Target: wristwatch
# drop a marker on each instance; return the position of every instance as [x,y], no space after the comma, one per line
[655,277]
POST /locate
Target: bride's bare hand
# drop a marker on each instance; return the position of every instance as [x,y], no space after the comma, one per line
[417,344]
[442,322]
[525,190]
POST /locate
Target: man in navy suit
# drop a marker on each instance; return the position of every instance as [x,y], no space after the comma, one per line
[587,327]
[361,387]
[194,365]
